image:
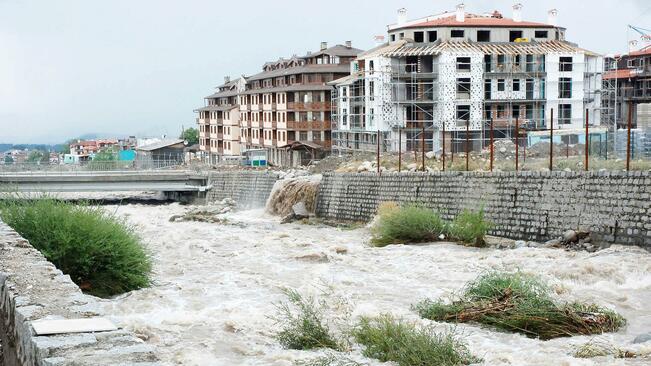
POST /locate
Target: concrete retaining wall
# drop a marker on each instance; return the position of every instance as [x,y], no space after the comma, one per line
[616,206]
[31,288]
[250,189]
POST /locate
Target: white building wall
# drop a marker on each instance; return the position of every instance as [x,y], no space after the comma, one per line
[447,98]
[552,62]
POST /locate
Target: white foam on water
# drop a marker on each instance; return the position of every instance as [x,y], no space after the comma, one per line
[216,285]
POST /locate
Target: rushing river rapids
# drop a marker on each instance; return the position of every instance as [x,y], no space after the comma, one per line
[216,285]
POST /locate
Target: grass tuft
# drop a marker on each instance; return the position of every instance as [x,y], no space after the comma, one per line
[329,359]
[521,303]
[409,224]
[388,339]
[470,227]
[598,348]
[303,327]
[101,253]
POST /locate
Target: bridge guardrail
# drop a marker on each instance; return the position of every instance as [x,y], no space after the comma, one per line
[90,166]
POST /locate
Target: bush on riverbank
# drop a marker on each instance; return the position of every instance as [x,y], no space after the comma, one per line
[470,227]
[410,224]
[415,224]
[388,339]
[521,303]
[101,254]
[303,327]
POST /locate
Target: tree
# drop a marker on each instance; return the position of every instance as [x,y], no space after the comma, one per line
[9,159]
[37,156]
[105,155]
[191,135]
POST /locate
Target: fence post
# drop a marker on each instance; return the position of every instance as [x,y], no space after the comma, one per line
[378,151]
[443,148]
[517,143]
[467,142]
[399,149]
[587,140]
[551,141]
[628,136]
[492,147]
[422,141]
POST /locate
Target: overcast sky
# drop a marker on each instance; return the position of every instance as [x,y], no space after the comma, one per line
[70,67]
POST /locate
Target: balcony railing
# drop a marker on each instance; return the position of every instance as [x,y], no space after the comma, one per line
[309,106]
[308,125]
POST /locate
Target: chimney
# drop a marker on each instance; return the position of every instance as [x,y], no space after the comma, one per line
[461,12]
[378,40]
[349,44]
[517,12]
[552,16]
[227,79]
[402,16]
[324,45]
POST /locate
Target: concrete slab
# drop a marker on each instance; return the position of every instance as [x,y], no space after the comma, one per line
[64,326]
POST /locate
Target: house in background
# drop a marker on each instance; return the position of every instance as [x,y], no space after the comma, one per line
[166,152]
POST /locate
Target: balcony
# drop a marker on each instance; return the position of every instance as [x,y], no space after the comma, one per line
[308,125]
[310,106]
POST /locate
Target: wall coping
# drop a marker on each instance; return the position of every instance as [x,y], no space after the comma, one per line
[511,174]
[31,288]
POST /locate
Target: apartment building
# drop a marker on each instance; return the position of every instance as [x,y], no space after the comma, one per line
[288,104]
[457,72]
[219,122]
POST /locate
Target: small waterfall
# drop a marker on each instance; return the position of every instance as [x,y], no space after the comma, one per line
[288,192]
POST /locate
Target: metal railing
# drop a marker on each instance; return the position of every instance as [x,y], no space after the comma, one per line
[89,166]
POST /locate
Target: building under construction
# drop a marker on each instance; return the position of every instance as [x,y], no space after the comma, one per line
[457,76]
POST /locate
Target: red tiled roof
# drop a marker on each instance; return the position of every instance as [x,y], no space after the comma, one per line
[618,74]
[644,51]
[473,20]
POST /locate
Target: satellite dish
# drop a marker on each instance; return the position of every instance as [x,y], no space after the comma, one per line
[186,142]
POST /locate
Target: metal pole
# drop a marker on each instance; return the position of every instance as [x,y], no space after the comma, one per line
[422,142]
[551,141]
[467,142]
[399,149]
[587,140]
[628,136]
[378,151]
[492,148]
[443,155]
[517,142]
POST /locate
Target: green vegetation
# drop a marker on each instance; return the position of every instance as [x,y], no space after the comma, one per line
[302,322]
[191,135]
[8,159]
[521,303]
[36,156]
[409,224]
[331,359]
[100,253]
[470,227]
[415,224]
[388,339]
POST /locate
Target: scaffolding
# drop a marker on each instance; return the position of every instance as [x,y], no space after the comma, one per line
[512,88]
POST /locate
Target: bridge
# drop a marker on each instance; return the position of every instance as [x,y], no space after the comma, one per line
[174,183]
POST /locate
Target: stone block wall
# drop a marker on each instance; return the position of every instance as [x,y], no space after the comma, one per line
[31,288]
[250,189]
[615,206]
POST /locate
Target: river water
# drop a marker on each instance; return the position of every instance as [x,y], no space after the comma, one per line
[216,286]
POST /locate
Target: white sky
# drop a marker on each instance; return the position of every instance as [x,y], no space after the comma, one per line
[70,67]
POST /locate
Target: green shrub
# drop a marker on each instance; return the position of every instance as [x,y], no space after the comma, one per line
[470,227]
[100,253]
[329,359]
[521,303]
[302,322]
[389,339]
[409,224]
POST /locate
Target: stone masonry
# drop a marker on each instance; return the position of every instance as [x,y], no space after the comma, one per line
[249,189]
[31,288]
[614,206]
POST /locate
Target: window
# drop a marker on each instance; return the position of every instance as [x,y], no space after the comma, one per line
[541,34]
[371,67]
[463,114]
[564,114]
[516,84]
[483,36]
[344,116]
[565,64]
[487,89]
[302,136]
[463,63]
[393,37]
[463,88]
[500,111]
[432,36]
[500,84]
[419,37]
[515,111]
[488,60]
[402,35]
[513,35]
[565,87]
[457,33]
[371,89]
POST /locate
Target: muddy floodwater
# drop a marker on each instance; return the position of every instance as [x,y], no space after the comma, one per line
[216,285]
